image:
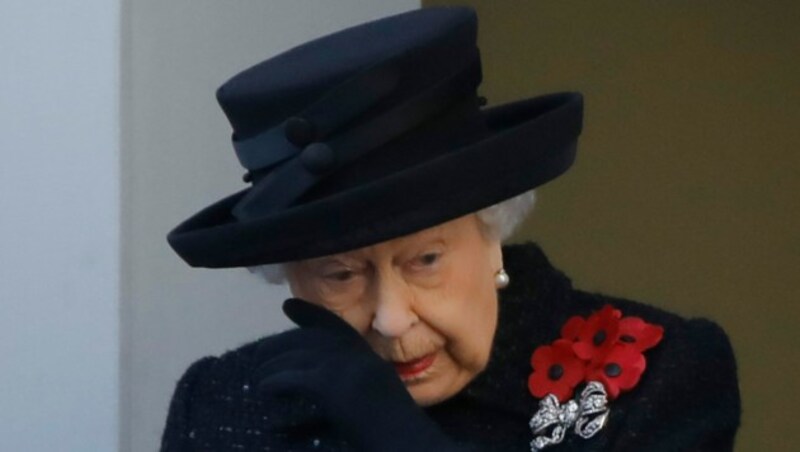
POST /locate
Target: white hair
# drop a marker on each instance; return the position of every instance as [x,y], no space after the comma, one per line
[499,220]
[502,219]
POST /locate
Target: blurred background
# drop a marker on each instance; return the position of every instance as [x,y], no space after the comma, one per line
[685,191]
[682,195]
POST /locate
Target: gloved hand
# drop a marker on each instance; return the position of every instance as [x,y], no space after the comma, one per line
[357,391]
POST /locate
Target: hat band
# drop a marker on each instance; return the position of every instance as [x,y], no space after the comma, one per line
[348,101]
[291,174]
[341,106]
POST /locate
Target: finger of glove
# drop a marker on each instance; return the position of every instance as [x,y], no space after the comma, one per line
[302,366]
[305,315]
[299,338]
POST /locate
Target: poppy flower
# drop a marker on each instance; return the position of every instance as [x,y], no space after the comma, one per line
[556,370]
[598,334]
[640,334]
[619,371]
[572,328]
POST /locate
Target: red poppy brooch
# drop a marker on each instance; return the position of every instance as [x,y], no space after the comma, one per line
[604,353]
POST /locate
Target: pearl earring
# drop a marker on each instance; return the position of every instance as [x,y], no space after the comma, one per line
[501,279]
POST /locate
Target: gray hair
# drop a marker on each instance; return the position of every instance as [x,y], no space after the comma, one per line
[499,220]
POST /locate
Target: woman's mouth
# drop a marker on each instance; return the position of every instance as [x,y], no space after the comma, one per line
[410,369]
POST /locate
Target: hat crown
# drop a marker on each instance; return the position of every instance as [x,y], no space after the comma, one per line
[421,46]
[307,121]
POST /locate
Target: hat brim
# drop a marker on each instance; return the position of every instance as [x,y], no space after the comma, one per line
[531,142]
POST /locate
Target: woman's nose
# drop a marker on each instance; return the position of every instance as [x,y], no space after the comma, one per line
[394,314]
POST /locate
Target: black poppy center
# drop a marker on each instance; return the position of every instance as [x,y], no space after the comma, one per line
[627,338]
[555,372]
[613,370]
[599,338]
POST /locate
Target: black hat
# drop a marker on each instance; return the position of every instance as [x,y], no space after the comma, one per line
[369,134]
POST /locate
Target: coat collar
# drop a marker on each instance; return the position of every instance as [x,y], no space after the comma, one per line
[531,310]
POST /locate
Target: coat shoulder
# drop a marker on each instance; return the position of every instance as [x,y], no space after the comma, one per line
[688,397]
[699,338]
[216,406]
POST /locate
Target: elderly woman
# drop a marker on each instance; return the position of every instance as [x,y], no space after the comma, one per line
[381,192]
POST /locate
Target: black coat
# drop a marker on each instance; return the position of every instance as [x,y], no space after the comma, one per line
[687,399]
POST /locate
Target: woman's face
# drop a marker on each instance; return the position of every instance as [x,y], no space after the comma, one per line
[426,301]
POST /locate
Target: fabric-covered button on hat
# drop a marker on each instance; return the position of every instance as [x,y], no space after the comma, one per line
[318,158]
[299,131]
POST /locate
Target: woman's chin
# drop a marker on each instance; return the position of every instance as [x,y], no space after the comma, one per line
[436,388]
[427,396]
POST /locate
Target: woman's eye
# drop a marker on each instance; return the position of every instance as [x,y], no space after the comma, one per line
[428,259]
[340,276]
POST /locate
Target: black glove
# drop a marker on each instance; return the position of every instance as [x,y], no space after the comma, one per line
[357,391]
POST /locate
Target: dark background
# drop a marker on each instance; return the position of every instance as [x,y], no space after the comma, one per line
[684,192]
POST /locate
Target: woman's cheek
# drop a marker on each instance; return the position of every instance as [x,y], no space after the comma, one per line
[426,280]
[359,318]
[349,304]
[351,312]
[471,328]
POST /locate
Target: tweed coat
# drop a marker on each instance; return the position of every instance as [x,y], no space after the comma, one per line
[687,398]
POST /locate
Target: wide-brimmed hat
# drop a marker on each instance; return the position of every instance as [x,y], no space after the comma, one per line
[369,134]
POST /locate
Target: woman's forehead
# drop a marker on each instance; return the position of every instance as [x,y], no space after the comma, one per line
[443,233]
